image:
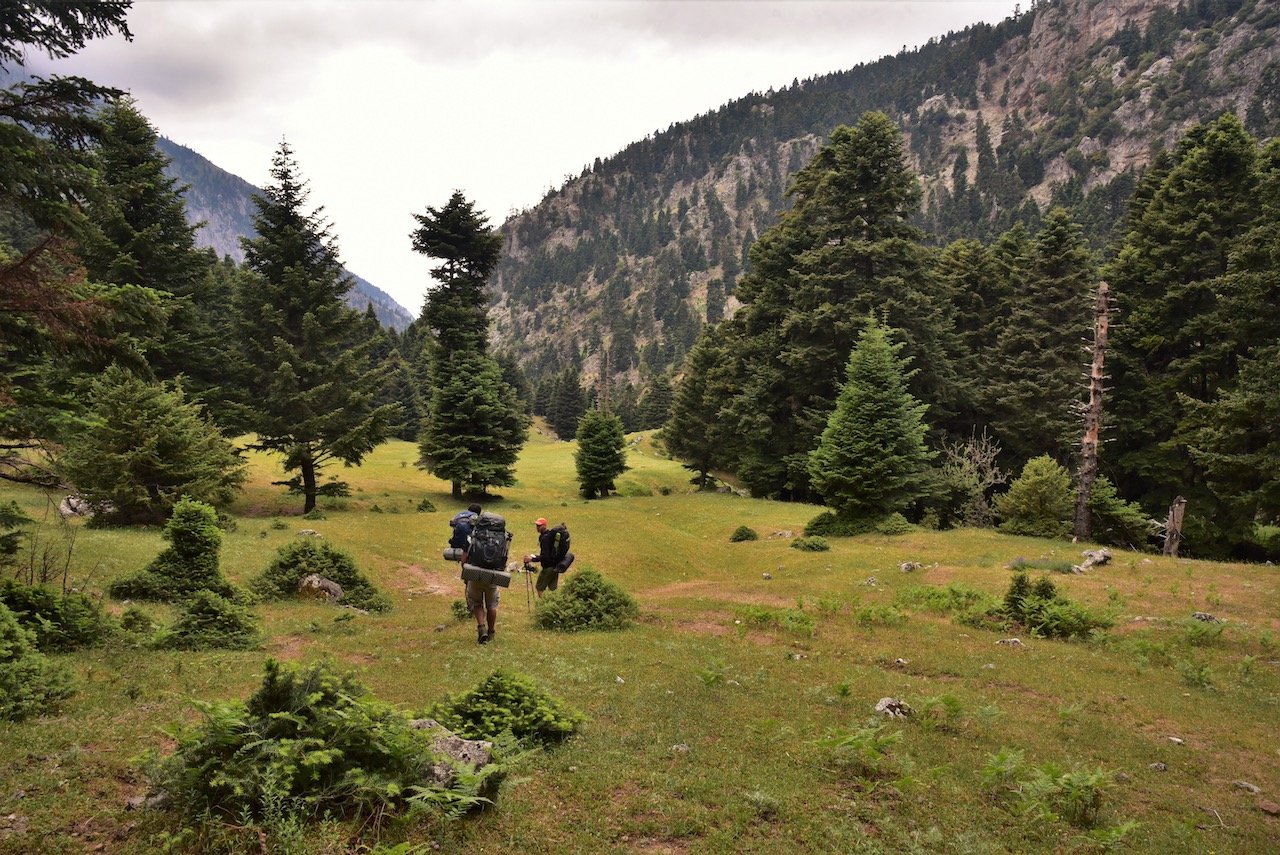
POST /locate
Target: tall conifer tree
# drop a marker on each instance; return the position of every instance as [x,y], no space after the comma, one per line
[313,393]
[1039,360]
[872,459]
[474,425]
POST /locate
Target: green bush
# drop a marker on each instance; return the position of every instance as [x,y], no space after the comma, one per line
[301,558]
[12,519]
[1040,502]
[814,543]
[879,615]
[893,524]
[953,599]
[30,684]
[190,564]
[58,622]
[743,533]
[426,506]
[211,622]
[587,601]
[506,701]
[1043,612]
[1115,521]
[309,742]
[137,622]
[831,524]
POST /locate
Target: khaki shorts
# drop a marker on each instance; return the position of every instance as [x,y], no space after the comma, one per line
[482,595]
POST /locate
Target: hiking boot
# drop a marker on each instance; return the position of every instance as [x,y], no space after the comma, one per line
[492,633]
[481,635]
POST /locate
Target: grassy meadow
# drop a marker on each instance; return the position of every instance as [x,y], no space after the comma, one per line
[712,725]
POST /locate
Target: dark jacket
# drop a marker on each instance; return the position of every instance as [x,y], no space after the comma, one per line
[553,546]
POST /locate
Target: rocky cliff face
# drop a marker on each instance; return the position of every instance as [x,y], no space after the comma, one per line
[617,270]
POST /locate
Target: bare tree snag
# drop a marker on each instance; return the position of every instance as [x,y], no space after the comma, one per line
[1173,527]
[1092,415]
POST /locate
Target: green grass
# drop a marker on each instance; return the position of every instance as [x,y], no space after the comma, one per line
[710,724]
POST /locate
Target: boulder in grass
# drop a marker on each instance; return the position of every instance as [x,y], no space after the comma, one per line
[473,754]
[316,587]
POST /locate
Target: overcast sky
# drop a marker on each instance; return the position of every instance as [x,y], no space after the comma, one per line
[391,105]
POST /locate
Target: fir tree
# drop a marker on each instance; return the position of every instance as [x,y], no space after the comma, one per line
[655,403]
[312,388]
[1038,355]
[567,403]
[872,459]
[474,425]
[695,432]
[1180,338]
[601,455]
[143,447]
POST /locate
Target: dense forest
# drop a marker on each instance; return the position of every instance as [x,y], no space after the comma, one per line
[731,308]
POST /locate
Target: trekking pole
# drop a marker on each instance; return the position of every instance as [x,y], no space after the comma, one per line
[528,590]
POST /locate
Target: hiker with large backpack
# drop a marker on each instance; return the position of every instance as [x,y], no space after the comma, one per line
[553,555]
[484,561]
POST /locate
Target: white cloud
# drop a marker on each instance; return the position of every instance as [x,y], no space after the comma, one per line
[390,105]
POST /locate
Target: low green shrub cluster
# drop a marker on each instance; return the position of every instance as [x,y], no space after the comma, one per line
[743,533]
[211,622]
[58,622]
[189,564]
[795,620]
[587,601]
[30,684]
[879,615]
[1053,565]
[309,742]
[831,524]
[954,599]
[1047,792]
[301,558]
[1039,608]
[814,543]
[1040,503]
[507,701]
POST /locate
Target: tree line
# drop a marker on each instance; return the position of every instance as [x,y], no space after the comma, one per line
[992,340]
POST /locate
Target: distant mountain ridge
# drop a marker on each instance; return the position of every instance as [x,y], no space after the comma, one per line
[223,203]
[616,272]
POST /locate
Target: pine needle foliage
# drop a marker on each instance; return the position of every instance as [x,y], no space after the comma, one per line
[1039,502]
[30,684]
[190,564]
[506,700]
[587,601]
[872,460]
[601,456]
[299,559]
[211,622]
[57,622]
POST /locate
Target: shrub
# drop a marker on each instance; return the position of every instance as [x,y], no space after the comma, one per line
[880,615]
[1115,521]
[952,599]
[12,519]
[1042,611]
[1039,503]
[426,506]
[863,751]
[58,622]
[190,564]
[212,622]
[308,742]
[301,558]
[893,524]
[742,533]
[137,622]
[504,701]
[587,601]
[459,611]
[814,543]
[831,524]
[30,684]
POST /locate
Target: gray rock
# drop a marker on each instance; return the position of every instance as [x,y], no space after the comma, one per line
[473,753]
[893,708]
[680,748]
[1158,767]
[1011,642]
[1253,789]
[309,532]
[316,587]
[1206,617]
[909,566]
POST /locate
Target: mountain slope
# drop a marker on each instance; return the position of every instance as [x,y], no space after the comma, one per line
[222,202]
[617,271]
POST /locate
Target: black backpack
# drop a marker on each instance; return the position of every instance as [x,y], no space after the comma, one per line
[490,541]
[560,541]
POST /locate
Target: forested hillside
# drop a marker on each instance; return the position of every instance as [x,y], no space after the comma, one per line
[221,203]
[616,272]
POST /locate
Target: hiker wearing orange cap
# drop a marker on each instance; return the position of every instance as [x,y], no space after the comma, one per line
[553,555]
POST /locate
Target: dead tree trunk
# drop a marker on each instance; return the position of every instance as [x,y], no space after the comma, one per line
[1092,416]
[1173,527]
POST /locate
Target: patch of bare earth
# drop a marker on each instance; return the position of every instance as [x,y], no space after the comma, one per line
[717,591]
[659,846]
[287,648]
[417,580]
